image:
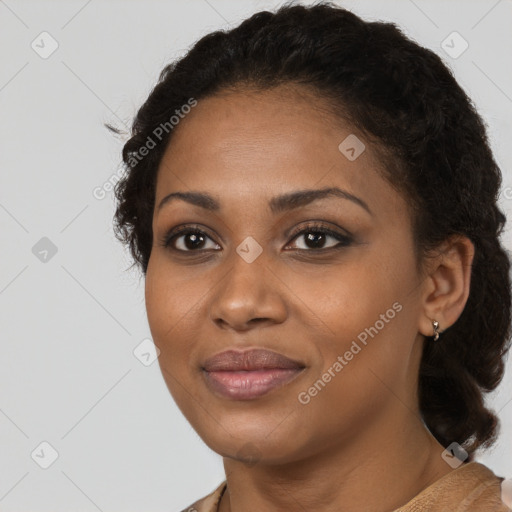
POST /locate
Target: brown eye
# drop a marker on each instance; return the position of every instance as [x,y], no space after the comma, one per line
[315,237]
[188,239]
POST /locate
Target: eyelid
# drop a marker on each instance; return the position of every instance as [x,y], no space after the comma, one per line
[320,225]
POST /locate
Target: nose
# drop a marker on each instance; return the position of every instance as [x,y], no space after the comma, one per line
[250,294]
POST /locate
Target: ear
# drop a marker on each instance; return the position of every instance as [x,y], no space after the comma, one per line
[446,285]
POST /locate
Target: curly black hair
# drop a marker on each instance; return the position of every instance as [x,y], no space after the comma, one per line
[434,148]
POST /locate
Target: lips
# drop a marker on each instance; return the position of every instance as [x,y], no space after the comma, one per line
[250,374]
[256,359]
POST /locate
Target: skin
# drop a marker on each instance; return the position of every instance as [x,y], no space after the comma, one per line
[359,441]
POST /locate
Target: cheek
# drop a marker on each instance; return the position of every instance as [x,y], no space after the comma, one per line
[170,307]
[365,308]
[352,295]
[171,295]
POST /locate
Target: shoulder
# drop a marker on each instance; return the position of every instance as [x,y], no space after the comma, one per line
[208,503]
[486,493]
[472,487]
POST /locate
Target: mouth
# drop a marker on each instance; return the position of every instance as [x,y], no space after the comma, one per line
[250,374]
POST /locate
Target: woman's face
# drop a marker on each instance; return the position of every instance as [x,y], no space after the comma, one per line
[343,305]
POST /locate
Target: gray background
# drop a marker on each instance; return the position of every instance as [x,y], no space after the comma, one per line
[71,321]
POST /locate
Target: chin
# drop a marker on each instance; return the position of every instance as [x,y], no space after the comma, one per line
[253,445]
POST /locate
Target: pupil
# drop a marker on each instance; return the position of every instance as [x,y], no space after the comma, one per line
[315,238]
[195,239]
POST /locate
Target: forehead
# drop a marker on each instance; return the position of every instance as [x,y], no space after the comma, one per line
[248,144]
[230,117]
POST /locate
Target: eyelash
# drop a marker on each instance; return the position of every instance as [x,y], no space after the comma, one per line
[313,227]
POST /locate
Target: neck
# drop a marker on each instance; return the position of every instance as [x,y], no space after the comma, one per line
[344,477]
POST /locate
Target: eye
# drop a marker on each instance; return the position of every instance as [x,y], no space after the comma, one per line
[193,239]
[315,236]
[187,239]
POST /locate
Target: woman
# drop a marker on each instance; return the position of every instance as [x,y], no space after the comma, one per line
[312,200]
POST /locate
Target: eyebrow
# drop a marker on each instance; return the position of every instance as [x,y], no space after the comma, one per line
[277,204]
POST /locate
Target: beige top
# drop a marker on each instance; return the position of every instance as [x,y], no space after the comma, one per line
[472,487]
